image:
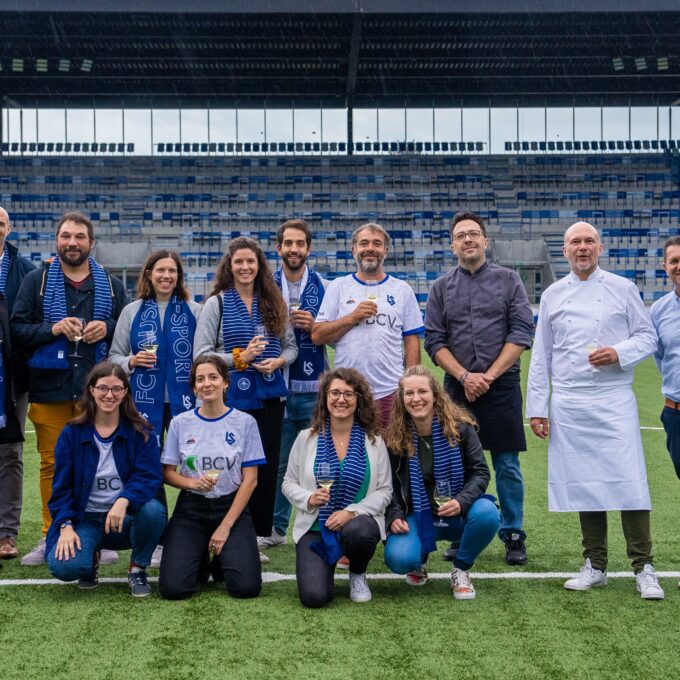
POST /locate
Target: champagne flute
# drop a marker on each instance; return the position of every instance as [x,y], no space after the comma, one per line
[324,476]
[590,347]
[261,331]
[442,495]
[78,337]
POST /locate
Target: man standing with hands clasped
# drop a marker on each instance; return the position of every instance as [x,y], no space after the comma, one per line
[592,330]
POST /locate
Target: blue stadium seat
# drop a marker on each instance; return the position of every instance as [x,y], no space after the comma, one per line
[230,147]
[333,146]
[628,145]
[410,147]
[436,146]
[551,146]
[342,147]
[516,146]
[559,146]
[94,147]
[445,146]
[186,147]
[577,145]
[419,147]
[620,145]
[32,147]
[221,147]
[645,144]
[50,147]
[41,147]
[637,144]
[525,146]
[654,143]
[238,147]
[204,147]
[479,146]
[611,145]
[324,147]
[508,146]
[536,146]
[568,145]
[131,147]
[212,147]
[85,147]
[121,147]
[290,147]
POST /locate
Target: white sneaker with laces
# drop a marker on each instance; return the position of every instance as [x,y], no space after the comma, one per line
[587,578]
[36,557]
[271,541]
[157,557]
[461,584]
[109,556]
[647,584]
[264,559]
[358,588]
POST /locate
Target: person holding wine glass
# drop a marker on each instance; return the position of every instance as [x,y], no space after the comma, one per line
[338,479]
[212,454]
[245,323]
[439,479]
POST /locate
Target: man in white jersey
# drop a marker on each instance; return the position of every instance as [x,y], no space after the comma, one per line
[374,331]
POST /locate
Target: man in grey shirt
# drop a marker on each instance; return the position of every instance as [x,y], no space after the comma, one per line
[478,321]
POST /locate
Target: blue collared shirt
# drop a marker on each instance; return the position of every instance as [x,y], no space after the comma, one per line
[665,315]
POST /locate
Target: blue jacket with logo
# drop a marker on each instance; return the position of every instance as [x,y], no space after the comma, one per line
[76,457]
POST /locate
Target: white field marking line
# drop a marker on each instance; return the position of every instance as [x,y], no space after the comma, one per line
[642,427]
[274,577]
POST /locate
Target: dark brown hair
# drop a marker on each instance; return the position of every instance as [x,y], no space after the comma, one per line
[459,217]
[366,413]
[272,307]
[127,409]
[218,362]
[294,224]
[145,289]
[374,229]
[78,218]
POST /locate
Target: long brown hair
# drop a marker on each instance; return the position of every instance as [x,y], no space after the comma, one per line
[399,435]
[127,409]
[366,413]
[272,307]
[145,289]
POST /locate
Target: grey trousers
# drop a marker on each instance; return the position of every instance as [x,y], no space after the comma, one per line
[12,476]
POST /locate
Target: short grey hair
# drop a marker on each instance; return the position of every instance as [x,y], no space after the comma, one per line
[373,227]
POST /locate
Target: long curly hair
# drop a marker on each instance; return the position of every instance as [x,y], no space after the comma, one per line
[272,307]
[365,414]
[145,289]
[399,435]
[127,409]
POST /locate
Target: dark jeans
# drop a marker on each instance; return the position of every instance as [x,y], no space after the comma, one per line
[671,423]
[636,531]
[185,548]
[269,420]
[315,583]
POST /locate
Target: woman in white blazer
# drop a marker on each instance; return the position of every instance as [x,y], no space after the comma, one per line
[339,480]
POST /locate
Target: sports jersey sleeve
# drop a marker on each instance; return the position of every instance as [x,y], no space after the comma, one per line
[171,454]
[413,319]
[330,305]
[253,453]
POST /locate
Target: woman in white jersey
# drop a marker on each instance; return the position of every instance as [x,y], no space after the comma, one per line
[107,472]
[212,454]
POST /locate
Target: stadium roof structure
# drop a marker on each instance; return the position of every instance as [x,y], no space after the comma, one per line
[358,53]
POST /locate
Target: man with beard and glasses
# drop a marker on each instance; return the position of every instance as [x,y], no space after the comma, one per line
[64,317]
[303,291]
[478,321]
[373,319]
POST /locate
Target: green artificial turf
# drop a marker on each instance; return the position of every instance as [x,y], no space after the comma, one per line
[514,629]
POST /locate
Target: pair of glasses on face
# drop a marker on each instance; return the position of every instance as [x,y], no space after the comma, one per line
[103,390]
[462,235]
[336,394]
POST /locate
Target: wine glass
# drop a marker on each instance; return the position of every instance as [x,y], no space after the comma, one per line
[149,342]
[324,476]
[442,495]
[590,347]
[294,301]
[261,331]
[372,290]
[78,337]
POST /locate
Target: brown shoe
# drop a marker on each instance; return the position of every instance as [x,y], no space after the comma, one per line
[8,548]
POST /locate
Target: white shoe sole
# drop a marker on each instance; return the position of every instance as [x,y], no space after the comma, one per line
[464,596]
[599,584]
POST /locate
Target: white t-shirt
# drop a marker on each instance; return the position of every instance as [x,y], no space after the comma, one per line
[226,444]
[375,346]
[107,485]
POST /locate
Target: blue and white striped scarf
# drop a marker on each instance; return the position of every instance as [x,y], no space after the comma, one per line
[248,388]
[3,285]
[448,466]
[345,487]
[4,271]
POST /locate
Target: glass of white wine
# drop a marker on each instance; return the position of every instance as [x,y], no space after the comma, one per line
[590,347]
[372,290]
[149,342]
[442,495]
[78,337]
[324,476]
[294,301]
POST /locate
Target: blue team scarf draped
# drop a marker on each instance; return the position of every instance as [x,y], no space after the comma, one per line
[55,354]
[173,360]
[448,466]
[247,389]
[3,285]
[5,269]
[345,487]
[310,363]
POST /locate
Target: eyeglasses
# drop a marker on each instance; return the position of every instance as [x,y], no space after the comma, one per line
[103,390]
[348,394]
[462,235]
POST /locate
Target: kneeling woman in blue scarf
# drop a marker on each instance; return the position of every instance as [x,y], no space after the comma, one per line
[342,450]
[432,440]
[107,471]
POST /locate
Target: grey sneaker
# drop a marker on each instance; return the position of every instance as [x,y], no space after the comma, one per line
[109,556]
[36,557]
[358,588]
[139,585]
[93,580]
[647,584]
[157,557]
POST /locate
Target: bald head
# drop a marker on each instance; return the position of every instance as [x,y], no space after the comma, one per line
[581,227]
[582,248]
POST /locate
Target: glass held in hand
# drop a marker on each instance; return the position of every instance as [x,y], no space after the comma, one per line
[212,475]
[590,347]
[149,342]
[294,302]
[442,495]
[78,337]
[261,331]
[324,476]
[372,290]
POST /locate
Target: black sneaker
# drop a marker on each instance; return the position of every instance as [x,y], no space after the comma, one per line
[91,581]
[515,550]
[451,552]
[139,585]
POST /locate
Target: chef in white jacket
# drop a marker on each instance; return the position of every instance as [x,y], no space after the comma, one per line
[592,330]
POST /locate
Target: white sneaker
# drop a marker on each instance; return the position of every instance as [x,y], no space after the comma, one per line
[157,557]
[36,557]
[108,557]
[461,584]
[264,559]
[648,584]
[587,578]
[358,588]
[271,541]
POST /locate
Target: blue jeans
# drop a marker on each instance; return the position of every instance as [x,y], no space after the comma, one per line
[403,552]
[299,409]
[671,423]
[510,491]
[141,532]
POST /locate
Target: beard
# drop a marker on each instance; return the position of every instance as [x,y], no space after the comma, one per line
[67,256]
[369,267]
[294,266]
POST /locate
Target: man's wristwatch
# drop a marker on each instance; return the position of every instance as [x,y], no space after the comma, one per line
[67,523]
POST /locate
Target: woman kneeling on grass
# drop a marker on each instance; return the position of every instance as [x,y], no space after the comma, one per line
[106,475]
[338,478]
[437,459]
[217,450]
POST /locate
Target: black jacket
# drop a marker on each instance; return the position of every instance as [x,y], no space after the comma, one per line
[29,331]
[12,432]
[475,475]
